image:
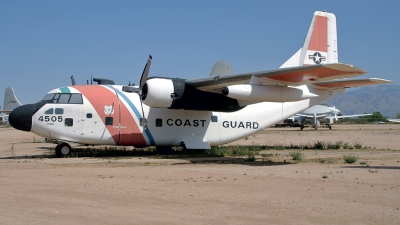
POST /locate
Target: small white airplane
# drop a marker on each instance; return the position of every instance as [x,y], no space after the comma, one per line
[317,115]
[393,120]
[10,102]
[193,113]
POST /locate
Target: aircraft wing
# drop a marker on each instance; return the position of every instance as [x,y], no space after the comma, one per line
[6,111]
[394,120]
[292,76]
[311,116]
[347,116]
[351,83]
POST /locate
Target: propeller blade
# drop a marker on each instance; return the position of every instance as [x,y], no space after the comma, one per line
[139,89]
[334,109]
[144,123]
[145,73]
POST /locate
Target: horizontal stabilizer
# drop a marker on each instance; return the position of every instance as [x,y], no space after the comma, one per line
[351,83]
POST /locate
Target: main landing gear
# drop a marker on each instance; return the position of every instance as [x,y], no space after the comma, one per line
[63,150]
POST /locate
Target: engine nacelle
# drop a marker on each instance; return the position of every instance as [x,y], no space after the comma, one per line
[261,93]
[158,93]
[174,93]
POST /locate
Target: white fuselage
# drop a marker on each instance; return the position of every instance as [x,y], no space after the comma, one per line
[108,116]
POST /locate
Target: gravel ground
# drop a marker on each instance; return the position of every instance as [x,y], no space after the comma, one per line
[38,189]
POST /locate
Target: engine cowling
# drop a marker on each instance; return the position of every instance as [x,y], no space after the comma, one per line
[158,93]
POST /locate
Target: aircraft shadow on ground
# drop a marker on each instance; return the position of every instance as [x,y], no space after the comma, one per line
[186,158]
[239,161]
[373,167]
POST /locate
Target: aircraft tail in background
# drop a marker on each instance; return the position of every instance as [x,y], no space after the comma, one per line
[10,101]
[320,45]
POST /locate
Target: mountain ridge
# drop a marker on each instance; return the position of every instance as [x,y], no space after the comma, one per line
[381,98]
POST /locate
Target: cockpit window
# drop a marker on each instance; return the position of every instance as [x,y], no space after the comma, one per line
[76,99]
[49,111]
[64,98]
[48,97]
[56,97]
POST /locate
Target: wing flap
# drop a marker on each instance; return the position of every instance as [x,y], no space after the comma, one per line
[292,76]
[351,83]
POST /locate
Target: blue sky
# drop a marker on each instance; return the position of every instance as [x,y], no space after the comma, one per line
[43,43]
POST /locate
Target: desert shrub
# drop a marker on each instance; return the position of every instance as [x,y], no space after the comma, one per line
[319,145]
[296,155]
[350,158]
[346,145]
[357,144]
[335,145]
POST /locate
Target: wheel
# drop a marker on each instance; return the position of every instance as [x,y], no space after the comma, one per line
[63,150]
[164,150]
[302,127]
[330,127]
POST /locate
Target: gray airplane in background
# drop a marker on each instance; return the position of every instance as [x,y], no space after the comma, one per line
[317,115]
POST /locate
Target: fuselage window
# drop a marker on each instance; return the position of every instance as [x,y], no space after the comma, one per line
[89,115]
[214,119]
[76,99]
[64,98]
[49,111]
[59,111]
[158,122]
[109,121]
[69,122]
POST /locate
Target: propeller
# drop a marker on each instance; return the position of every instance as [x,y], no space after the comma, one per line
[140,88]
[335,112]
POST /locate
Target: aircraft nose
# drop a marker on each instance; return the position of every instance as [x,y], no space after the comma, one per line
[21,117]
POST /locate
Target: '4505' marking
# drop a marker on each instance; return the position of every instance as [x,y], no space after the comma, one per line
[50,118]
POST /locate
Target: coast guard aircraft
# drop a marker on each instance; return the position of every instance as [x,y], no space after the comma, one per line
[194,113]
[318,114]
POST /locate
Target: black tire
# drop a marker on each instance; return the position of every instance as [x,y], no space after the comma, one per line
[164,150]
[302,127]
[63,150]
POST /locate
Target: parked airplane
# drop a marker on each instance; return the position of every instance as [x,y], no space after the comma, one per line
[194,113]
[10,102]
[317,115]
[394,120]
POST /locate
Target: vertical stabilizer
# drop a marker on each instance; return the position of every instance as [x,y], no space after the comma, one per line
[221,68]
[10,100]
[320,45]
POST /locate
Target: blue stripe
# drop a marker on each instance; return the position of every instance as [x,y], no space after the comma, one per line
[137,113]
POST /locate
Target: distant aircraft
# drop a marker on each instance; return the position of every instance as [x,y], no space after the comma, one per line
[394,120]
[10,102]
[193,113]
[317,115]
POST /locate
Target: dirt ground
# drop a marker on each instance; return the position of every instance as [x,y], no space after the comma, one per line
[38,189]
